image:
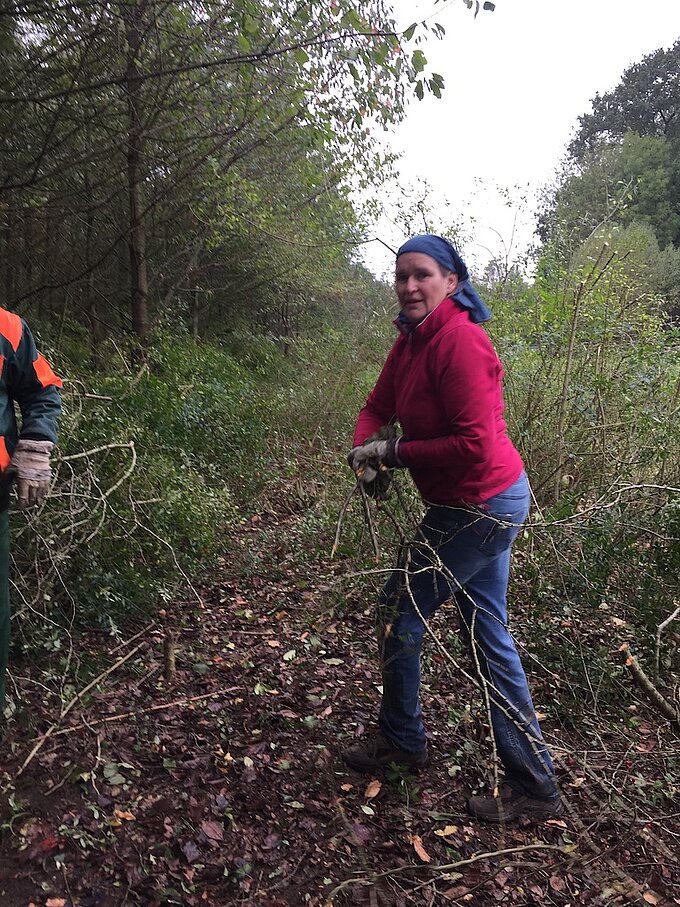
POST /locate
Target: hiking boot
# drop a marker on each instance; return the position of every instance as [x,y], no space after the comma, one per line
[511,806]
[376,752]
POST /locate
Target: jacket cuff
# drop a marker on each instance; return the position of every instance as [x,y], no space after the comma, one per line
[392,460]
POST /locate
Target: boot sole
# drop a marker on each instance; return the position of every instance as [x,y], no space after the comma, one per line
[512,817]
[381,766]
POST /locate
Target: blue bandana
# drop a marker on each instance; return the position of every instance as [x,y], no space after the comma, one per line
[443,252]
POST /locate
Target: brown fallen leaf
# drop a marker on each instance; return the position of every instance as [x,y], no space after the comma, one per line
[213,830]
[124,814]
[55,902]
[445,832]
[455,892]
[556,883]
[417,842]
[372,789]
[651,897]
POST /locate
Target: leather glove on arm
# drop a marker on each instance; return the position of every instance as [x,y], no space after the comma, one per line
[30,467]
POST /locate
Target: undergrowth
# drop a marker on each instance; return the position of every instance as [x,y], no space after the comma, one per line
[157,463]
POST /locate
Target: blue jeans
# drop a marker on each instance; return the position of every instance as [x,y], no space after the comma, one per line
[464,554]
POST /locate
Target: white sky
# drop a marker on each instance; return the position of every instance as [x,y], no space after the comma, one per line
[516,80]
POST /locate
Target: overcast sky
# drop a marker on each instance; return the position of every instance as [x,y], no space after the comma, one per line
[516,81]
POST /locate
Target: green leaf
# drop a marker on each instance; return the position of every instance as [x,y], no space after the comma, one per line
[352,20]
[408,34]
[244,44]
[490,6]
[116,780]
[301,56]
[111,770]
[419,90]
[418,60]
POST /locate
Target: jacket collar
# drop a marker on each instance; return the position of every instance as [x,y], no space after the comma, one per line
[447,310]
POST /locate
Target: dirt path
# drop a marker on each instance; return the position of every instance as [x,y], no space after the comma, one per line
[224,787]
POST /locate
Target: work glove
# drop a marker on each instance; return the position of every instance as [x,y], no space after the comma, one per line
[385,452]
[371,463]
[30,468]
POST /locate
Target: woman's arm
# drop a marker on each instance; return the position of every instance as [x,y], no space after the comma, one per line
[380,407]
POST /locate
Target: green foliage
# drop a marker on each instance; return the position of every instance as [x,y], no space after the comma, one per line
[592,393]
[156,465]
[634,181]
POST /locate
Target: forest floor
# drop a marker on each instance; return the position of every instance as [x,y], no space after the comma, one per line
[224,785]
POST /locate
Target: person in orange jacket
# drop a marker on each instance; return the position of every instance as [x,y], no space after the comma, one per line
[27,382]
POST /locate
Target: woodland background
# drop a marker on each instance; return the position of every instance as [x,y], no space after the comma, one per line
[179,225]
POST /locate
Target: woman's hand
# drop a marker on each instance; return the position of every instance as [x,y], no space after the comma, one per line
[373,454]
[372,462]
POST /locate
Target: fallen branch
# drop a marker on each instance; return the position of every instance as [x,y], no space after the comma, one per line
[153,708]
[369,521]
[341,519]
[657,699]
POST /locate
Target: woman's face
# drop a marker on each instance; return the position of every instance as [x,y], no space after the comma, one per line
[420,284]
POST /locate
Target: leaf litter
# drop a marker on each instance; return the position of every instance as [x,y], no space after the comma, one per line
[233,792]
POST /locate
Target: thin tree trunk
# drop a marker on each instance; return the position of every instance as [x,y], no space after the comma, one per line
[28,251]
[139,284]
[194,314]
[564,395]
[9,255]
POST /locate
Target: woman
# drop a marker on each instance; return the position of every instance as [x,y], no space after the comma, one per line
[442,383]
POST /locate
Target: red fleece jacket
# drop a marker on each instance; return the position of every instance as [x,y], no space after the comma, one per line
[443,383]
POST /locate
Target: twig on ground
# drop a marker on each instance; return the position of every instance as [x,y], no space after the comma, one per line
[67,708]
[185,700]
[341,518]
[371,879]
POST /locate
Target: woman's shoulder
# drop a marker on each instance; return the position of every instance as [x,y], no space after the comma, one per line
[461,330]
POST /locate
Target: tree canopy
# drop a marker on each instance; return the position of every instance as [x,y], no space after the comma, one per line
[170,162]
[646,101]
[623,168]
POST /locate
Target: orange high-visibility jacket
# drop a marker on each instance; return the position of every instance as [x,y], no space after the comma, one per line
[26,379]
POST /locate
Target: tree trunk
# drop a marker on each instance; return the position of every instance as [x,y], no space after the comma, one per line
[139,284]
[194,314]
[9,256]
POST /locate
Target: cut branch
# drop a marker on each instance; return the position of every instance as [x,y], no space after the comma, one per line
[657,699]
